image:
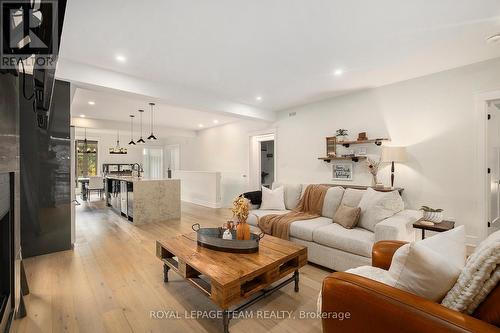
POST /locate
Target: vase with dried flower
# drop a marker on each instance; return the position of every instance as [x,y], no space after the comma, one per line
[241,208]
[373,166]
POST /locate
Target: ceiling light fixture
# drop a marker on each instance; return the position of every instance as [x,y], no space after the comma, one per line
[338,72]
[216,121]
[258,98]
[141,140]
[82,116]
[91,103]
[86,149]
[117,149]
[493,39]
[120,58]
[200,125]
[152,137]
[132,130]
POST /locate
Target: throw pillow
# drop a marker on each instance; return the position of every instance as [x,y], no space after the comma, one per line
[273,199]
[332,201]
[292,194]
[352,197]
[428,268]
[347,216]
[377,206]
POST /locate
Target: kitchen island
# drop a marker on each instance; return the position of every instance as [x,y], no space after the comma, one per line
[144,200]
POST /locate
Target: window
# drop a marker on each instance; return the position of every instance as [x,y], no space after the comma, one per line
[86,158]
[153,163]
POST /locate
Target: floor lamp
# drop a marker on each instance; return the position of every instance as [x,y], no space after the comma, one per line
[392,155]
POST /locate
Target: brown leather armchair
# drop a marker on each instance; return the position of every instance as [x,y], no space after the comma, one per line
[376,307]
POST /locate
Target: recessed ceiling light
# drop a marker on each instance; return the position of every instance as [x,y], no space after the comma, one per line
[91,103]
[216,121]
[200,125]
[338,72]
[493,39]
[258,98]
[120,58]
[82,116]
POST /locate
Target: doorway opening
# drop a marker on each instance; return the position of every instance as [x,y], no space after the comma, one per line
[267,163]
[262,169]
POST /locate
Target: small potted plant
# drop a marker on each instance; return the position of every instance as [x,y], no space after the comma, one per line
[432,214]
[341,134]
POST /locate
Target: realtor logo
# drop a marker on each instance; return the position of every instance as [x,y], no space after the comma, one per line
[28,28]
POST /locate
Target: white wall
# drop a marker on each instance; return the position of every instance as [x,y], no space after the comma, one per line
[223,149]
[434,116]
[200,187]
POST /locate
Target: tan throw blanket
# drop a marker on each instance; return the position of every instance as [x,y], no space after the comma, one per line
[309,207]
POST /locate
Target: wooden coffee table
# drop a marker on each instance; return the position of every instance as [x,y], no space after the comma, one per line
[232,279]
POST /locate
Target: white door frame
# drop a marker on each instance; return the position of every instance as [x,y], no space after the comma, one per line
[255,138]
[481,105]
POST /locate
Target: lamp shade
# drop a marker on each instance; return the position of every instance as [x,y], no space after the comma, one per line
[393,154]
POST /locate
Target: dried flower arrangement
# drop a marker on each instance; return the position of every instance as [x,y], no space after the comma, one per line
[241,208]
[373,166]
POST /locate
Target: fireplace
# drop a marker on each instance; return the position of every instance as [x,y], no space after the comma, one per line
[6,250]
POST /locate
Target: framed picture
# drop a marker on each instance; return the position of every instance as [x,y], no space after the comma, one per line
[342,170]
[331,146]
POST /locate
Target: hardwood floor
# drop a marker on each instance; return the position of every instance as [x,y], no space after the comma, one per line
[112,281]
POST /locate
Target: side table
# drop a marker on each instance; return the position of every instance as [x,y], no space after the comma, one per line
[437,227]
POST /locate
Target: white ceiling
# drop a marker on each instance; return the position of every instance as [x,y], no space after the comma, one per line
[283,50]
[118,107]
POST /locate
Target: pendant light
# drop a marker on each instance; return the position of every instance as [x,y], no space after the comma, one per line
[141,140]
[132,130]
[86,148]
[117,149]
[152,136]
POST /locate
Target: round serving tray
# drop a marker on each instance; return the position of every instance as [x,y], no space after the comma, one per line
[211,238]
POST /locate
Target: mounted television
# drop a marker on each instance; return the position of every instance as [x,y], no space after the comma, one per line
[32,33]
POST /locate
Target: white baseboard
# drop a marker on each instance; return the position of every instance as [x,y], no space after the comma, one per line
[204,203]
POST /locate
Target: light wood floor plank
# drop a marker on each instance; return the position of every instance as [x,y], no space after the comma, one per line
[112,280]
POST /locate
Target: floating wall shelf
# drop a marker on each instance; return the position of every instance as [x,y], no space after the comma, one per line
[346,144]
[352,158]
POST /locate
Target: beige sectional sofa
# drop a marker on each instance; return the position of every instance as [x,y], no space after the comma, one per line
[331,245]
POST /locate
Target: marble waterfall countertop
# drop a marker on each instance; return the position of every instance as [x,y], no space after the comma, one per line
[150,200]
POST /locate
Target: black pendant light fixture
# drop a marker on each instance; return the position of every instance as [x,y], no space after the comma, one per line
[132,130]
[141,140]
[152,136]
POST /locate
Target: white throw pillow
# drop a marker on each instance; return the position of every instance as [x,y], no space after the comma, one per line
[430,268]
[273,199]
[377,206]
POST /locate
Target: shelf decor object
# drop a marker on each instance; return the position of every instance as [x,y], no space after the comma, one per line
[341,134]
[117,149]
[132,130]
[141,140]
[393,155]
[152,136]
[331,146]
